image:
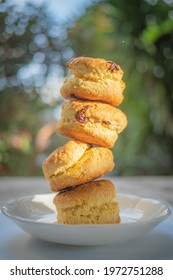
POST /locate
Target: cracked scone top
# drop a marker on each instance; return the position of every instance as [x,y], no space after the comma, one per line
[94,79]
[91,122]
[94,68]
[76,163]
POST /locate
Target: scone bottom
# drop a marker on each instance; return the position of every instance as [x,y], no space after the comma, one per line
[89,118]
[90,203]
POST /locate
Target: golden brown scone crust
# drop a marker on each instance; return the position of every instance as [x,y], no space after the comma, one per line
[95,162]
[91,203]
[91,122]
[105,90]
[64,157]
[92,193]
[95,79]
[94,68]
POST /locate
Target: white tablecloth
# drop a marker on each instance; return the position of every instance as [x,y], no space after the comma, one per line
[157,244]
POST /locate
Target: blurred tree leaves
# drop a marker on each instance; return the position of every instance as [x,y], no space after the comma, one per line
[155,31]
[32,47]
[139,36]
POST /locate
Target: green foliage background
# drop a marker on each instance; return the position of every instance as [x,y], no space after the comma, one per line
[138,35]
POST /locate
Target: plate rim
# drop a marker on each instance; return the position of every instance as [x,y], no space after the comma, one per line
[156,219]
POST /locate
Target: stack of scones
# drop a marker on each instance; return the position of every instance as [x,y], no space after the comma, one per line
[92,122]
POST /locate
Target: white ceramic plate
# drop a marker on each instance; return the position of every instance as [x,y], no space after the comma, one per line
[37,215]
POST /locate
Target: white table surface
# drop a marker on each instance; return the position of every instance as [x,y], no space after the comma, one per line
[17,244]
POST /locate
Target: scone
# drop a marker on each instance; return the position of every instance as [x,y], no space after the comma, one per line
[91,203]
[64,157]
[91,122]
[76,163]
[94,79]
